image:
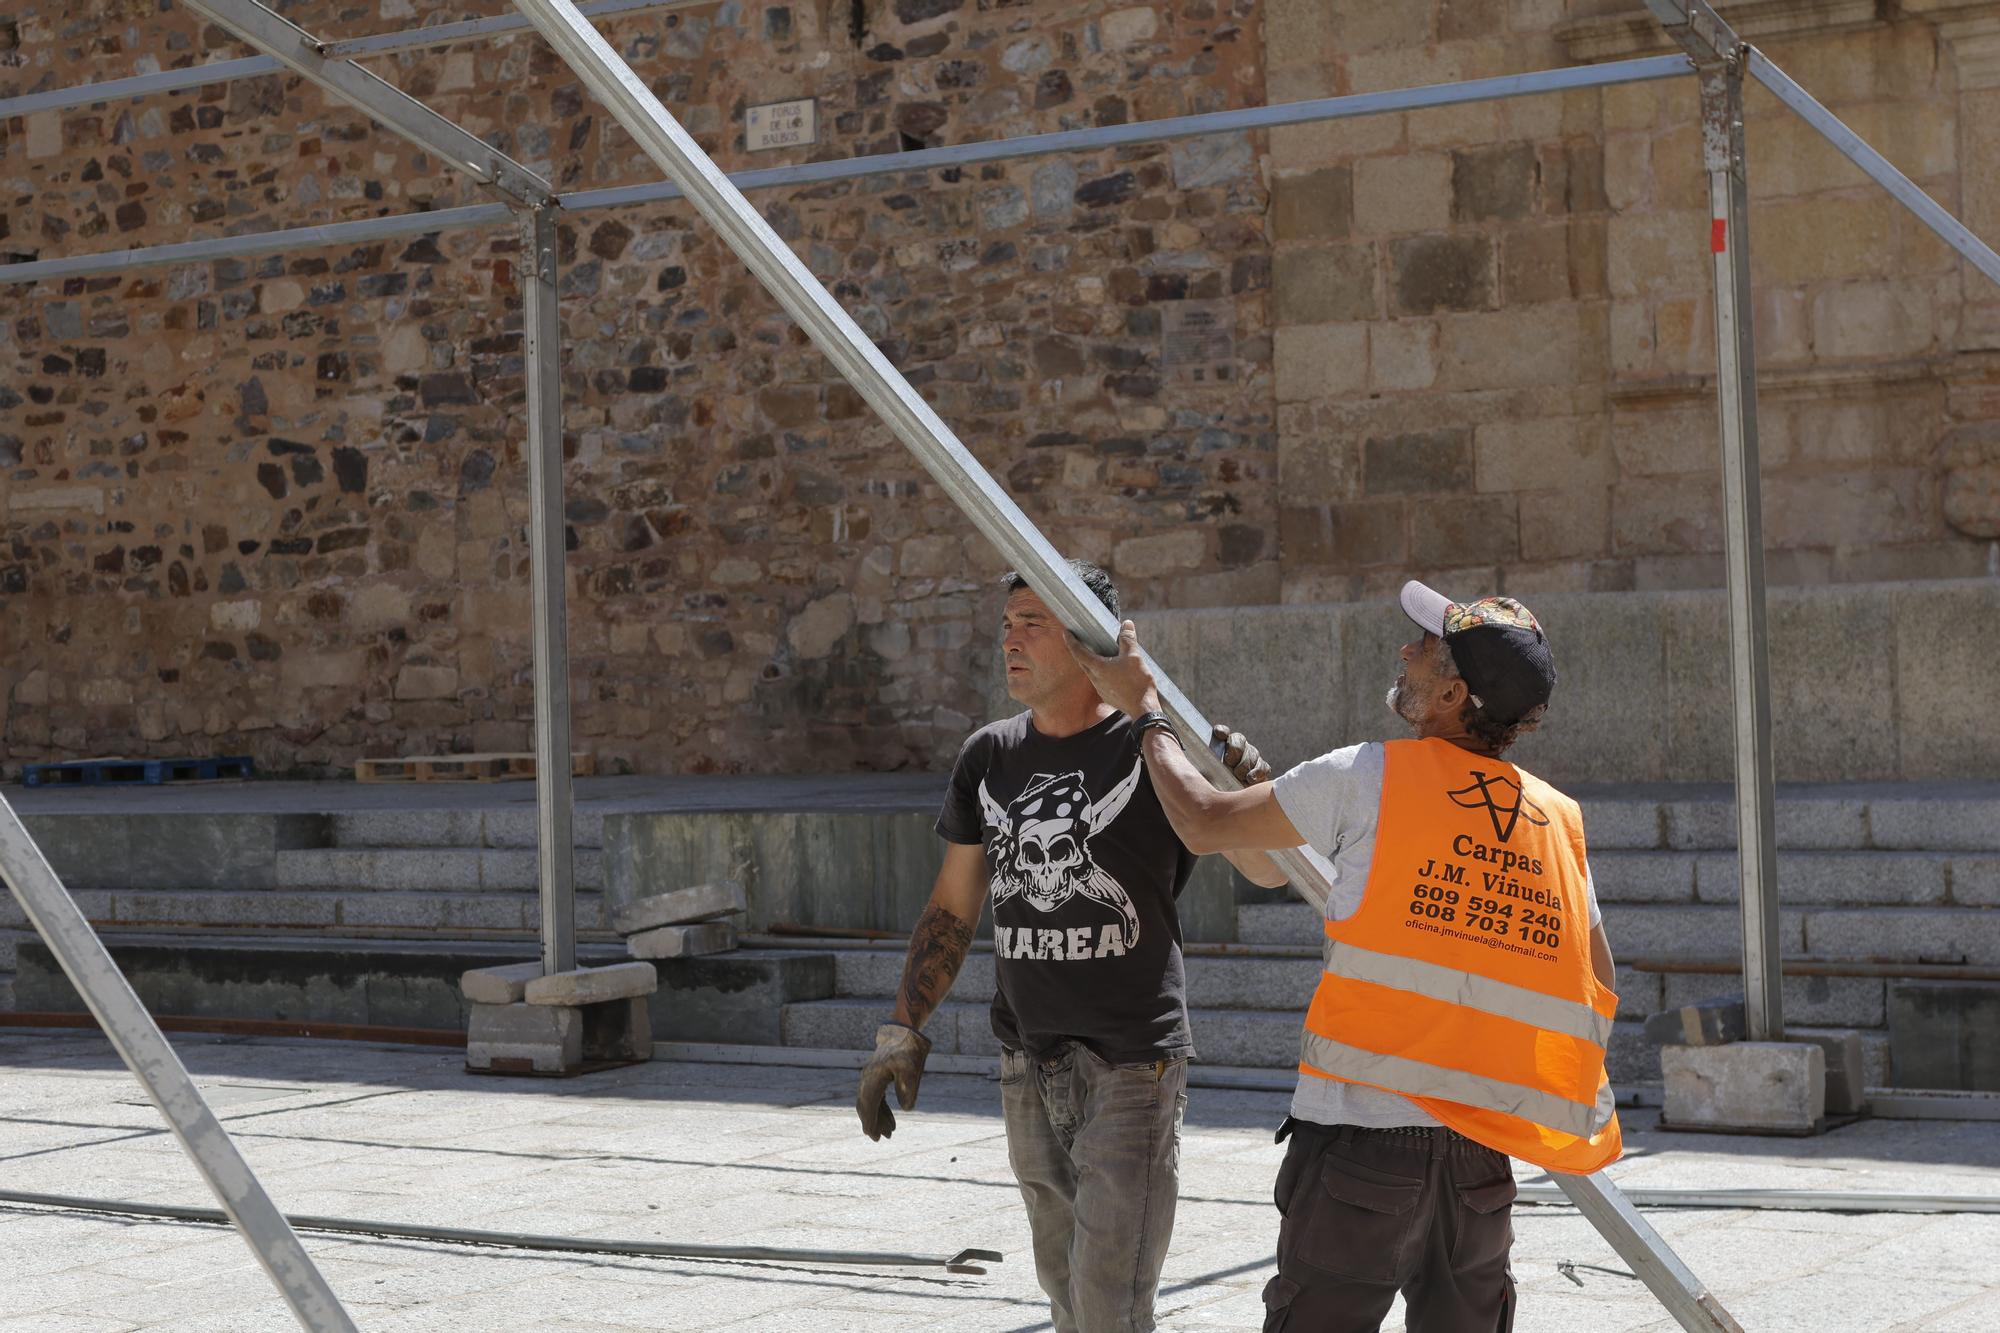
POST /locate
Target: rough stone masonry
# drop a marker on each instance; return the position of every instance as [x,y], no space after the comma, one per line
[275,505]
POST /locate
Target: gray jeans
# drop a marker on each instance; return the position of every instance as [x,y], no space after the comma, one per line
[1096,1149]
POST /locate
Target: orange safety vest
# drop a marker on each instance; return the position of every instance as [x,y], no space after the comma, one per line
[1464,982]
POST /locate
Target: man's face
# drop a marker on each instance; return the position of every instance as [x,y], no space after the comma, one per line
[1034,650]
[1414,696]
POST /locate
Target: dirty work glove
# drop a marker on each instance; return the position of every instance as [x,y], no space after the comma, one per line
[899,1056]
[1239,756]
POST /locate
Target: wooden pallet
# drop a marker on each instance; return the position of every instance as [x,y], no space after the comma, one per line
[462,768]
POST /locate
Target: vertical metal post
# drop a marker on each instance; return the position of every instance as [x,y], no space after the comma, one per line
[1743,529]
[145,1051]
[541,337]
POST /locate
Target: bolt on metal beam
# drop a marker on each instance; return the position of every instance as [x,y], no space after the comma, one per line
[139,1043]
[252,67]
[402,114]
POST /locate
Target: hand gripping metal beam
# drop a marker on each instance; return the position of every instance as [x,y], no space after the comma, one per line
[301,52]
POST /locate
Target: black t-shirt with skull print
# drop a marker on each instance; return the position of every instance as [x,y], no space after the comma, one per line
[1086,868]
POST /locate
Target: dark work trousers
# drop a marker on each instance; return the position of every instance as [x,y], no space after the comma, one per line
[1371,1212]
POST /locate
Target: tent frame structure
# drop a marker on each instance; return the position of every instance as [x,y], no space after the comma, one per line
[1713,53]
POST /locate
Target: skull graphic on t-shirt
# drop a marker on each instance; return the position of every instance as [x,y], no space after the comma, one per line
[1042,851]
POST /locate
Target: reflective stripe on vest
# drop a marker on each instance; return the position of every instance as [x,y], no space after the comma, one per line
[1419,1079]
[1500,998]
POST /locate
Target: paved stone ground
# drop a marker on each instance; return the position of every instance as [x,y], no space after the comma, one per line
[771,1155]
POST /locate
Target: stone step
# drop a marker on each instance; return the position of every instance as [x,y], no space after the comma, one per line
[328,913]
[459,869]
[1212,982]
[513,826]
[1936,817]
[6,992]
[1838,878]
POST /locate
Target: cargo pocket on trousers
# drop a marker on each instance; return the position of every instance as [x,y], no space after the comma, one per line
[1485,1223]
[1360,1223]
[1278,1294]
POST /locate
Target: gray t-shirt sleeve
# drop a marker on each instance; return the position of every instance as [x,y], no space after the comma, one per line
[1330,798]
[1590,894]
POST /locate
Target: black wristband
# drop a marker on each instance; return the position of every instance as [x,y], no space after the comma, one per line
[1150,721]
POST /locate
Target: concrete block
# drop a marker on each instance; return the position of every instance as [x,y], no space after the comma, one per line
[1834,1001]
[1846,1087]
[1280,923]
[545,1038]
[593,985]
[1942,1034]
[1975,881]
[1715,1021]
[740,996]
[1746,1085]
[701,902]
[1642,877]
[1834,878]
[703,937]
[1874,1049]
[1936,821]
[1948,934]
[406,828]
[618,1030]
[1621,823]
[506,984]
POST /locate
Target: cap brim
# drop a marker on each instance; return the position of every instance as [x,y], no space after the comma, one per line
[1426,606]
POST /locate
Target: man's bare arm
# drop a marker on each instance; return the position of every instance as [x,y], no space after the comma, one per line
[943,934]
[1207,820]
[1600,957]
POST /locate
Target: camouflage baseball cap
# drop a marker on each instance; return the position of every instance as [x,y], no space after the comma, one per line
[1498,645]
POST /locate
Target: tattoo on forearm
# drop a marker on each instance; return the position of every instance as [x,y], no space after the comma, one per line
[937,950]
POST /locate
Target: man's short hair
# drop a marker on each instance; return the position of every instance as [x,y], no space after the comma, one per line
[1093,577]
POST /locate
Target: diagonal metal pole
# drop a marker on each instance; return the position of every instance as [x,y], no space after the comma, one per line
[304,54]
[920,429]
[541,335]
[139,1043]
[1877,167]
[998,517]
[1719,60]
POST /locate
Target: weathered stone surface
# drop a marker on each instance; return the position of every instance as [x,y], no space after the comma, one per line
[1942,1034]
[1712,1022]
[506,984]
[546,1039]
[593,985]
[692,941]
[1747,1085]
[699,902]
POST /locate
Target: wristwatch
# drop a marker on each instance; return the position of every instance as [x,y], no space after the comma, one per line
[1156,719]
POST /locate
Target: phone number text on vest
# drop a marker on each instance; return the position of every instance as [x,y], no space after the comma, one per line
[1475,887]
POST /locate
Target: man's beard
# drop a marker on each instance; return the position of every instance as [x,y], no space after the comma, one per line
[1404,702]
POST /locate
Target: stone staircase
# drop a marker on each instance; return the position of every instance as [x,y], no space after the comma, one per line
[1899,872]
[387,882]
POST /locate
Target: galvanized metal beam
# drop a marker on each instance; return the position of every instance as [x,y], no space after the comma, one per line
[1877,167]
[139,1043]
[1653,1261]
[252,67]
[541,335]
[1093,139]
[395,110]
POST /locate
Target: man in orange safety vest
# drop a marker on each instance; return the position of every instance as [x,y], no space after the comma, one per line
[1465,1000]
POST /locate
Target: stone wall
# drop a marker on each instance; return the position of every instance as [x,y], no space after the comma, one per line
[275,505]
[1493,324]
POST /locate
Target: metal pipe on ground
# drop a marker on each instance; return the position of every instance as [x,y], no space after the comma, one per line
[1801,1201]
[964,1261]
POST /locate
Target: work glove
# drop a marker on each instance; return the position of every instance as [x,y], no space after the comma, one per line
[899,1057]
[1239,756]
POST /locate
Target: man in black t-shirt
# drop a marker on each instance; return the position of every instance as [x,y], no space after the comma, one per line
[1052,815]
